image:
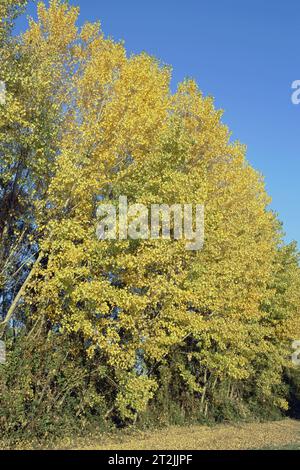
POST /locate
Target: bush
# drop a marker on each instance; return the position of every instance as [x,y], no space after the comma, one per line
[49,388]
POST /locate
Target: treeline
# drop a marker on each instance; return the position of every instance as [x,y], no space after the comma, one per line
[102,333]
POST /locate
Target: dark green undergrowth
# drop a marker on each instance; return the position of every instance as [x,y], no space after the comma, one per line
[50,389]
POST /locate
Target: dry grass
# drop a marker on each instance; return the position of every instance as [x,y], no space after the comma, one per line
[283,434]
[278,434]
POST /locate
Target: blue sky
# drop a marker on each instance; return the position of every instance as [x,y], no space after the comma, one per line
[245,54]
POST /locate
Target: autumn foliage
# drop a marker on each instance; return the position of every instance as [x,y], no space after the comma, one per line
[148,328]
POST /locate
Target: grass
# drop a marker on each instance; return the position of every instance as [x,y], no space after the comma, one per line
[286,447]
[275,435]
[283,434]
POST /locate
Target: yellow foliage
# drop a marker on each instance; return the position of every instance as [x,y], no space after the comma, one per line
[121,132]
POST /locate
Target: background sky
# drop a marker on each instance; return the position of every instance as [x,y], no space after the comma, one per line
[245,54]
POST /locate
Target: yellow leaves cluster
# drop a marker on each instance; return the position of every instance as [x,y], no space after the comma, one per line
[135,394]
[122,133]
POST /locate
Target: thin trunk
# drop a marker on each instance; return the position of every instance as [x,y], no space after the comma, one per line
[204,391]
[19,295]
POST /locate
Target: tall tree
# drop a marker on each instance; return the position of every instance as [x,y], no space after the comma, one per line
[84,123]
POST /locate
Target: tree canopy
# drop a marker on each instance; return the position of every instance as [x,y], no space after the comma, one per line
[84,122]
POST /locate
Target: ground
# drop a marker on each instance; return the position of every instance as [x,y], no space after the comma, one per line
[275,435]
[283,434]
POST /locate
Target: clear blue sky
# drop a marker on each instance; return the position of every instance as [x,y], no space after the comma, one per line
[245,54]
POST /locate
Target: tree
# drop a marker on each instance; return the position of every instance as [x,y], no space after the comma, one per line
[30,121]
[105,125]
